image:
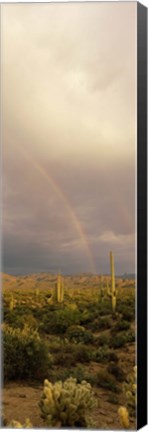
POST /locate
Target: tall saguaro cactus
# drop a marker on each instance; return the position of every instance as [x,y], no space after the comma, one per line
[101,287]
[108,290]
[113,289]
[60,289]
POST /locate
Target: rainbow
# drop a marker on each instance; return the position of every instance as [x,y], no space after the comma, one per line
[59,192]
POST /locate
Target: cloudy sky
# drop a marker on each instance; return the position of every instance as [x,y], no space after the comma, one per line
[69,136]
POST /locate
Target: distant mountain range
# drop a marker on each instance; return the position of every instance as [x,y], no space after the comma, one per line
[127,276]
[48,280]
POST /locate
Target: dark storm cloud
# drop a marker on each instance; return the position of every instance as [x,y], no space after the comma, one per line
[36,219]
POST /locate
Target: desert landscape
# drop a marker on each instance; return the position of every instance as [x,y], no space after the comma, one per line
[68,215]
[78,334]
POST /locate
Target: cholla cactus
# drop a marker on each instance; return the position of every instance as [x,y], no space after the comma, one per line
[17,425]
[66,403]
[124,417]
[130,388]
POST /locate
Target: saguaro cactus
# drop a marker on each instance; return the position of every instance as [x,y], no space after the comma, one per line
[60,289]
[101,287]
[11,304]
[113,289]
[108,289]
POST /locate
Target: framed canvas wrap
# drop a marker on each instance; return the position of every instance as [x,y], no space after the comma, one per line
[74,215]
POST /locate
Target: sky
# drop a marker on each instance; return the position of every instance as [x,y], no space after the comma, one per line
[68,137]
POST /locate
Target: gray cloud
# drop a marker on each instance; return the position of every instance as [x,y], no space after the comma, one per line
[69,116]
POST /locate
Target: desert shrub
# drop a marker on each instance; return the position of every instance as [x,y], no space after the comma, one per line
[31,321]
[121,325]
[118,341]
[55,346]
[20,316]
[101,323]
[102,340]
[58,374]
[106,381]
[116,370]
[131,336]
[13,320]
[128,313]
[82,354]
[104,308]
[79,374]
[103,355]
[25,355]
[62,374]
[79,334]
[70,353]
[64,359]
[113,399]
[112,356]
[94,325]
[66,404]
[105,323]
[59,321]
[121,339]
[86,317]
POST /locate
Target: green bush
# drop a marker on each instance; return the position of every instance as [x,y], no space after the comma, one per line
[79,334]
[101,323]
[13,320]
[105,323]
[131,336]
[69,354]
[25,355]
[61,374]
[104,308]
[106,381]
[79,374]
[128,313]
[64,359]
[121,325]
[82,354]
[18,317]
[86,318]
[102,340]
[66,404]
[116,370]
[105,355]
[57,322]
[121,339]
